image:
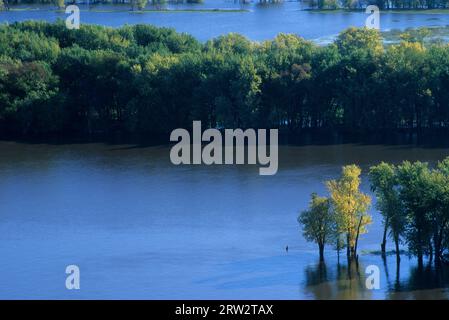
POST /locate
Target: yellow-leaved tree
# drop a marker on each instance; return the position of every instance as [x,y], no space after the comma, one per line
[350,206]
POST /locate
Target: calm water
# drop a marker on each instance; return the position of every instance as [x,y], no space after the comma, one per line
[257,22]
[139,227]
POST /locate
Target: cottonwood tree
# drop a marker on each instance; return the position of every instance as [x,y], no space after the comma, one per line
[351,206]
[414,181]
[318,222]
[384,183]
[439,208]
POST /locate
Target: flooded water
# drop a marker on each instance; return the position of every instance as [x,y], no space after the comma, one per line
[252,20]
[141,228]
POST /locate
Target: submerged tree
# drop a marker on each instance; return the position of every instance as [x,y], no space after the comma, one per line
[318,222]
[439,208]
[384,184]
[414,181]
[350,206]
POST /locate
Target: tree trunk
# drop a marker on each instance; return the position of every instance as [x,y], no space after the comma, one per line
[420,250]
[321,248]
[438,243]
[357,236]
[398,256]
[384,240]
[348,247]
[420,258]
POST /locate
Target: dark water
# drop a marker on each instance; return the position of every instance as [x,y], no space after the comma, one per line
[139,227]
[257,22]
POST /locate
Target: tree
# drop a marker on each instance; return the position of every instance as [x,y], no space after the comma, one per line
[60,4]
[318,222]
[384,184]
[414,190]
[439,208]
[407,68]
[355,85]
[27,90]
[351,206]
[356,90]
[141,4]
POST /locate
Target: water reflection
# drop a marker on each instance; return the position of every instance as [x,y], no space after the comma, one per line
[346,280]
[341,281]
[211,232]
[428,282]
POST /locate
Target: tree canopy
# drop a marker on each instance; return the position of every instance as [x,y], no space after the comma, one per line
[146,81]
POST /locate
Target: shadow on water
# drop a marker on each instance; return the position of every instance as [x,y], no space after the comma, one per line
[339,281]
[425,282]
[325,280]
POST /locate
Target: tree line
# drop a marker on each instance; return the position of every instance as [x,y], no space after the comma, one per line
[148,81]
[314,4]
[134,4]
[412,198]
[382,4]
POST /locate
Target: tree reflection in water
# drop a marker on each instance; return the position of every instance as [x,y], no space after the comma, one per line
[326,280]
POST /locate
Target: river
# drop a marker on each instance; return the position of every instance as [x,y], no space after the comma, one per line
[254,21]
[139,227]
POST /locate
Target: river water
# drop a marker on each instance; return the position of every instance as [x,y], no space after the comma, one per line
[139,227]
[255,21]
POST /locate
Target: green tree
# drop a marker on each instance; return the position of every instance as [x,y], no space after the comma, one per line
[415,188]
[60,4]
[356,90]
[384,183]
[27,91]
[351,206]
[141,4]
[439,208]
[318,223]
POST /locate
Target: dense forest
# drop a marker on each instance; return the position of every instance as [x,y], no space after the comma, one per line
[147,81]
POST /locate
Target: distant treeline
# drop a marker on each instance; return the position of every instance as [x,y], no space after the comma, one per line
[317,4]
[134,4]
[15,2]
[382,4]
[61,3]
[147,81]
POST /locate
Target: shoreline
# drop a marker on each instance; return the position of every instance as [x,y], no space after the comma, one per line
[91,8]
[391,11]
[135,11]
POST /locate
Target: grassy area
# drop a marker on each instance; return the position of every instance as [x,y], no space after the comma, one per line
[387,253]
[431,34]
[23,9]
[419,11]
